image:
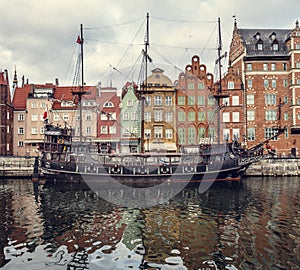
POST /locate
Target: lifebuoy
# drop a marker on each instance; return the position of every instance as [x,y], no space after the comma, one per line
[61,141]
[164,169]
[116,169]
[189,169]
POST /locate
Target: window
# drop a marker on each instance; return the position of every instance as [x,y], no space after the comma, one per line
[297,46]
[34,130]
[235,117]
[285,83]
[43,104]
[20,143]
[191,100]
[211,100]
[147,116]
[42,130]
[201,132]
[88,130]
[236,133]
[168,100]
[191,116]
[65,116]
[286,116]
[109,104]
[265,66]
[259,45]
[275,46]
[34,104]
[158,116]
[273,83]
[181,135]
[201,116]
[191,86]
[250,99]
[181,100]
[210,116]
[269,132]
[230,85]
[168,117]
[157,101]
[147,133]
[251,134]
[226,117]
[88,117]
[181,116]
[270,99]
[103,129]
[21,130]
[249,66]
[191,135]
[297,64]
[201,100]
[169,133]
[56,117]
[148,100]
[129,103]
[226,101]
[226,134]
[266,83]
[200,85]
[158,132]
[235,100]
[273,66]
[249,83]
[112,130]
[134,116]
[250,115]
[284,66]
[21,117]
[271,115]
[211,132]
[125,116]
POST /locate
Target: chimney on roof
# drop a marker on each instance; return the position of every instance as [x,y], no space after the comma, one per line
[56,82]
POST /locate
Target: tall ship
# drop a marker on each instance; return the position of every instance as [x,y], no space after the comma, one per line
[68,158]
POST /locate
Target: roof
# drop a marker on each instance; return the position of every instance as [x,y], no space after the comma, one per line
[20,97]
[250,39]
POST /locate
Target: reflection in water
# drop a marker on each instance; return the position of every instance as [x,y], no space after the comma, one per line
[257,224]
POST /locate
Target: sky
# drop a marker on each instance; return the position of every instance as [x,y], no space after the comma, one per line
[38,37]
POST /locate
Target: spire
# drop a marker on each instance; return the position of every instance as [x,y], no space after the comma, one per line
[235,23]
[15,81]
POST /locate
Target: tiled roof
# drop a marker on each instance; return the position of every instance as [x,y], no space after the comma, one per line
[250,41]
[20,97]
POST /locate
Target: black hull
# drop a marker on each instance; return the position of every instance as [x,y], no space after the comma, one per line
[233,174]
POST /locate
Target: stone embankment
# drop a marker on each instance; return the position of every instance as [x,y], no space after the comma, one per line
[275,167]
[16,166]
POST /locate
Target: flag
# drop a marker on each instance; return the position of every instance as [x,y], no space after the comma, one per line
[79,41]
[45,116]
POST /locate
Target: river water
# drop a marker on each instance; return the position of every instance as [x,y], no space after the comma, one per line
[256,224]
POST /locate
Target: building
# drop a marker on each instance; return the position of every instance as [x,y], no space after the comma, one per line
[159,113]
[36,103]
[268,62]
[6,116]
[130,120]
[108,119]
[196,106]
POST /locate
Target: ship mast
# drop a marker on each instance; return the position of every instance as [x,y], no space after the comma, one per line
[218,96]
[80,92]
[144,87]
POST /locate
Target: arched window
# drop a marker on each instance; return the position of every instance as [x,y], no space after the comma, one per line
[108,104]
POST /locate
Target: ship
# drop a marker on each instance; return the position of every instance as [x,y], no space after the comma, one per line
[67,158]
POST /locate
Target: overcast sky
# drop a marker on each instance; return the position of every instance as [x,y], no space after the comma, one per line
[39,37]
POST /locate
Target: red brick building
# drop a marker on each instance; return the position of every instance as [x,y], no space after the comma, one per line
[267,61]
[6,116]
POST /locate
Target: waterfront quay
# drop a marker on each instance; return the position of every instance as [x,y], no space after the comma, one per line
[16,166]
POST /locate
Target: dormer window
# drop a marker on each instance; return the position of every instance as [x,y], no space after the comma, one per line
[275,45]
[259,45]
[273,36]
[257,36]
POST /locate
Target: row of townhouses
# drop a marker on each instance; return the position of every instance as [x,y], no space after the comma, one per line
[261,90]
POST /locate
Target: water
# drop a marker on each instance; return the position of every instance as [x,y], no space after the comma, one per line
[256,223]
